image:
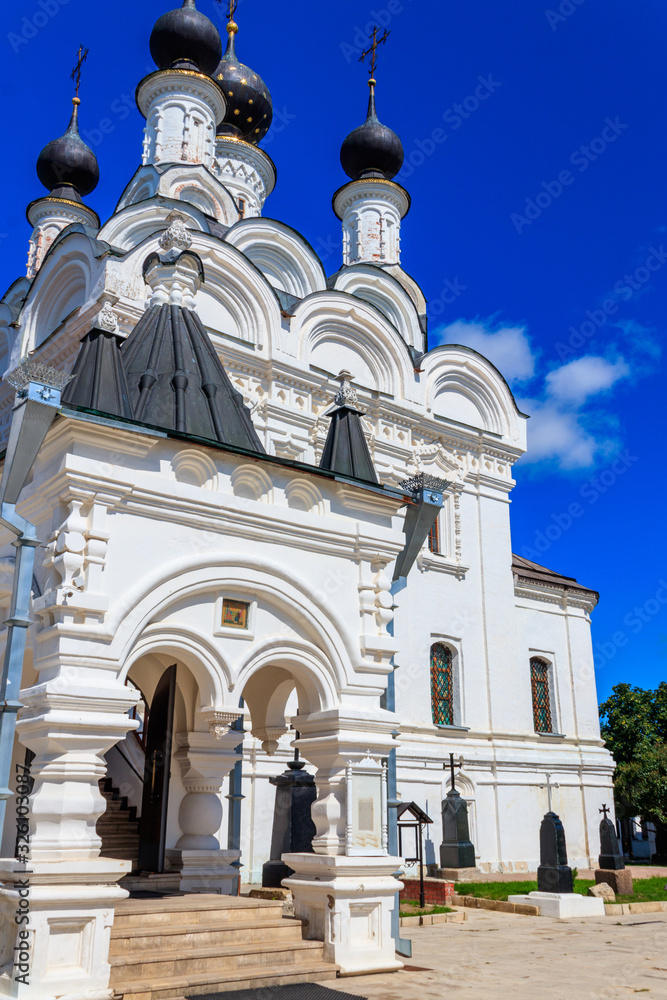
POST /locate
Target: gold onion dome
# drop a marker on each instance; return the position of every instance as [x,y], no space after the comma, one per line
[249,105]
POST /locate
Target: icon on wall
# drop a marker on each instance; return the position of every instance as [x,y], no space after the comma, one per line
[235,614]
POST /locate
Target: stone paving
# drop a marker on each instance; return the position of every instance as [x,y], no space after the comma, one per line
[505,957]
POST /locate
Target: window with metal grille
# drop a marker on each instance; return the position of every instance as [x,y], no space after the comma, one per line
[539,679]
[442,685]
[434,537]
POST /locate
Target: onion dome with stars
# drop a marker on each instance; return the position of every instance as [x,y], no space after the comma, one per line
[66,167]
[372,150]
[186,39]
[249,105]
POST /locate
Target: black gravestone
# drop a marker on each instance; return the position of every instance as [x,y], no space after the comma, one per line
[293,827]
[456,850]
[553,875]
[610,858]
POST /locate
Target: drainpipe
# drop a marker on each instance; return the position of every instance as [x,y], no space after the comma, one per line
[38,390]
[427,494]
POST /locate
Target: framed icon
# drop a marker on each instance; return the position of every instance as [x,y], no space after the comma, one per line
[234,614]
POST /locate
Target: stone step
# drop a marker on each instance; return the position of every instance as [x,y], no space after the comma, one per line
[192,909]
[281,932]
[166,962]
[114,839]
[178,986]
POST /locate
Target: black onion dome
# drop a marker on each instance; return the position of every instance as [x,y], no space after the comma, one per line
[186,39]
[66,166]
[249,105]
[372,150]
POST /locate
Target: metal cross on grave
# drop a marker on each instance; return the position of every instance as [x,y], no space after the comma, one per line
[605,810]
[82,55]
[372,51]
[452,766]
[549,787]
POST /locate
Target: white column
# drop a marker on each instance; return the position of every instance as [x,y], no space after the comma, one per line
[246,171]
[346,890]
[371,211]
[48,217]
[182,110]
[205,759]
[61,884]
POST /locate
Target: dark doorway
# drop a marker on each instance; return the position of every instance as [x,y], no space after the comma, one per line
[153,827]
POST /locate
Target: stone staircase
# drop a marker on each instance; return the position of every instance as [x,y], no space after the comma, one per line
[176,946]
[118,826]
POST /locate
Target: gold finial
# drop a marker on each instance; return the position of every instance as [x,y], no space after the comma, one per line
[232,28]
[372,51]
[75,75]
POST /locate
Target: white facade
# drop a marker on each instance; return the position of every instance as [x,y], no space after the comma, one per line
[146,533]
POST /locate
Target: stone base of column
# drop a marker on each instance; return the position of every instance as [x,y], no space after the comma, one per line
[562,905]
[205,871]
[66,911]
[348,902]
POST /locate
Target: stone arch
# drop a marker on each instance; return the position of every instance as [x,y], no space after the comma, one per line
[137,622]
[283,255]
[458,380]
[335,330]
[61,287]
[374,285]
[252,483]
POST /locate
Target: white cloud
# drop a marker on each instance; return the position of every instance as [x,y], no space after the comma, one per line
[569,427]
[559,436]
[574,383]
[508,347]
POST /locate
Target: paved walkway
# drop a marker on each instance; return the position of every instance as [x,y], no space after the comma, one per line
[506,957]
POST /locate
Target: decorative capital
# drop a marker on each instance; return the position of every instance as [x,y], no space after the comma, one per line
[347,394]
[107,319]
[176,237]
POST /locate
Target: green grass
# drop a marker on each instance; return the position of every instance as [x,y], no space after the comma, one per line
[646,889]
[414,910]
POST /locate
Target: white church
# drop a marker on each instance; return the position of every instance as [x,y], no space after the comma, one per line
[268,518]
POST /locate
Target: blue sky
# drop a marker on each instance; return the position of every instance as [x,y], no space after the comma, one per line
[535,136]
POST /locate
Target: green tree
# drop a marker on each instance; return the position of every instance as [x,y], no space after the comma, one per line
[634,727]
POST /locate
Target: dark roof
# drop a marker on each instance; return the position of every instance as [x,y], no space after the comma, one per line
[66,166]
[177,381]
[346,449]
[100,382]
[372,150]
[249,106]
[186,39]
[533,571]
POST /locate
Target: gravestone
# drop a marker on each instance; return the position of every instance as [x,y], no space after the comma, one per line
[293,827]
[456,850]
[612,868]
[553,875]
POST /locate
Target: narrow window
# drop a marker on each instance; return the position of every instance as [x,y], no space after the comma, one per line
[539,679]
[434,537]
[241,208]
[442,685]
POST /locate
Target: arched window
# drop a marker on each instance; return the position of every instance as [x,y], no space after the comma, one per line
[539,679]
[442,685]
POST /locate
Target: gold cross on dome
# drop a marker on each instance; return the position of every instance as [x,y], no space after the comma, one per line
[372,51]
[231,8]
[82,55]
